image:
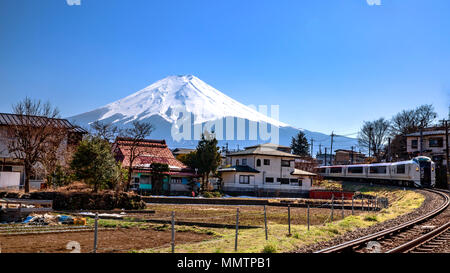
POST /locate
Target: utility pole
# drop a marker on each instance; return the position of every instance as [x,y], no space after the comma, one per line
[312,147]
[331,152]
[370,138]
[421,140]
[389,150]
[326,164]
[447,153]
[320,149]
[352,156]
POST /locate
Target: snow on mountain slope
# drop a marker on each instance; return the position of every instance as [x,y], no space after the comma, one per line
[158,104]
[189,92]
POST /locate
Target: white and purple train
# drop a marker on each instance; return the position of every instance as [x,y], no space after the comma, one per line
[417,172]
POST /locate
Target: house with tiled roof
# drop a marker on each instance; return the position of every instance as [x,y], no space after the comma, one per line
[264,170]
[12,171]
[179,179]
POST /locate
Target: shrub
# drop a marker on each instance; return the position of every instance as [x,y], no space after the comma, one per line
[371,218]
[270,248]
[212,194]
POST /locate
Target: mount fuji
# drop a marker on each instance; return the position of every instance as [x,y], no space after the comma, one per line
[180,108]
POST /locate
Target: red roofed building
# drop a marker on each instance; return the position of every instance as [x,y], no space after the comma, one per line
[153,151]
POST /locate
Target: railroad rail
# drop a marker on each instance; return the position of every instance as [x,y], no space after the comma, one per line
[426,243]
[350,245]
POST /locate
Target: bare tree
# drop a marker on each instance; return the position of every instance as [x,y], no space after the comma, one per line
[54,155]
[33,133]
[406,122]
[409,121]
[425,115]
[373,135]
[105,131]
[134,135]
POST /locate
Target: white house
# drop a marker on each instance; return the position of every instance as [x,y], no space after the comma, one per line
[265,169]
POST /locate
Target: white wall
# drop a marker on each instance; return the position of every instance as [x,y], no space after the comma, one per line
[9,179]
[274,170]
[426,146]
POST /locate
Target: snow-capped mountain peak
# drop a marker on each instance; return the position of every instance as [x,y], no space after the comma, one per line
[160,102]
[187,91]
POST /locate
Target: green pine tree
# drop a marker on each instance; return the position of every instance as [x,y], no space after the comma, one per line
[207,158]
[300,145]
[94,164]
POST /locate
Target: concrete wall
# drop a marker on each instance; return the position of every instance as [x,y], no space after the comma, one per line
[9,180]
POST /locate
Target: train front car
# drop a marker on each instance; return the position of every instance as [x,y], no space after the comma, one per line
[425,171]
[418,172]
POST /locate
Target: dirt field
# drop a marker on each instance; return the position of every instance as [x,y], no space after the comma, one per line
[248,215]
[119,240]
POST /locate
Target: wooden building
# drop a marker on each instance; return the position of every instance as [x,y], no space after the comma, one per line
[180,178]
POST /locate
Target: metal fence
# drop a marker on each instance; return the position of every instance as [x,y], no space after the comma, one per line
[336,209]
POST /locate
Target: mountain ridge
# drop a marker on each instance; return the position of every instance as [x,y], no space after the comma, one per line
[160,104]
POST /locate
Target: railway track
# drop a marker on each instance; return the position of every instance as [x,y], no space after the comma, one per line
[416,235]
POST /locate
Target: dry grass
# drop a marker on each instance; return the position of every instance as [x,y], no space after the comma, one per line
[253,240]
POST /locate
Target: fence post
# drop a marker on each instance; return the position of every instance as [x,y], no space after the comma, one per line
[308,217]
[173,231]
[95,232]
[342,206]
[237,229]
[265,221]
[353,199]
[332,207]
[289,218]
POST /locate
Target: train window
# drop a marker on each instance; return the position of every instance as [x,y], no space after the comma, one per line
[322,170]
[336,170]
[400,168]
[355,169]
[284,180]
[378,169]
[295,182]
[269,179]
[414,143]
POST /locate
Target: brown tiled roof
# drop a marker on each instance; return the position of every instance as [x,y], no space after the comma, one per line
[151,151]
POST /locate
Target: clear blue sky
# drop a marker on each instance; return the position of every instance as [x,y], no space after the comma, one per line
[329,64]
